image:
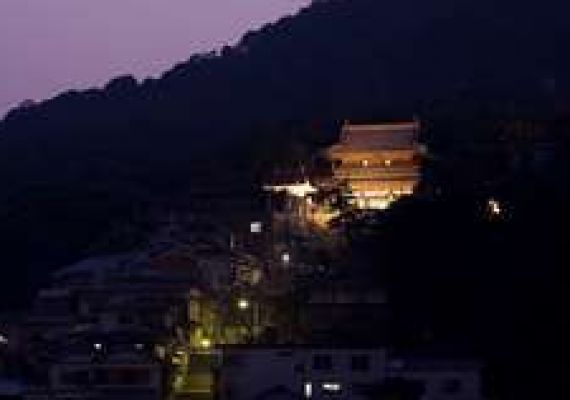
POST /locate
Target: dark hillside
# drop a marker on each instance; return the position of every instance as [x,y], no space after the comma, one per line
[74,165]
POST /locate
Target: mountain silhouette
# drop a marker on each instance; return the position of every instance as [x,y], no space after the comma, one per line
[74,165]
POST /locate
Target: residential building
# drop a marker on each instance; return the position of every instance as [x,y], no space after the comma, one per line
[342,373]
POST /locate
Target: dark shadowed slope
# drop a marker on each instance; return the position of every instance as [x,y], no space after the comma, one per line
[72,165]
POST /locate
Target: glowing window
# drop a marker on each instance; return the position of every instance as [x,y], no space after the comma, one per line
[256,227]
[332,387]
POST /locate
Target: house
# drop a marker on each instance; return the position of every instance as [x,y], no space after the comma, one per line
[342,373]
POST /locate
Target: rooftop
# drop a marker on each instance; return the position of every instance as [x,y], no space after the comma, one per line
[388,136]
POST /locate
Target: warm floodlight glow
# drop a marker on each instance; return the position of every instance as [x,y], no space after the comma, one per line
[301,190]
[206,343]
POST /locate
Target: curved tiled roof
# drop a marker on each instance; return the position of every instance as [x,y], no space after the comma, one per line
[399,135]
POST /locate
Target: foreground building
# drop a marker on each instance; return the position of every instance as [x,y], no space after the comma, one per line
[112,327]
[347,373]
[379,163]
[104,365]
[135,325]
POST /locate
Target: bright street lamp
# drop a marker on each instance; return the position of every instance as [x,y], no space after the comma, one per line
[243,304]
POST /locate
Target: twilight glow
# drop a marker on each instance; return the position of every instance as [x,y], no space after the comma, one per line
[47,46]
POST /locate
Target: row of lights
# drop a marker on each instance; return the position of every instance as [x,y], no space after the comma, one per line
[366,163]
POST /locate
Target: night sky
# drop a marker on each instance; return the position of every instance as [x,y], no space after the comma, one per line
[47,46]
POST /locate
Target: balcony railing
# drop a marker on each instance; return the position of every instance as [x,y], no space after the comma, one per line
[408,172]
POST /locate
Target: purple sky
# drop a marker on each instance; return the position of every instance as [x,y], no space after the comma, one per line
[47,46]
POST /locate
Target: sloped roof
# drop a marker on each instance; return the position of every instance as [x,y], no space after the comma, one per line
[390,136]
[96,264]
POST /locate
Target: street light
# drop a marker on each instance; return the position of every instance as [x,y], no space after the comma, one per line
[243,304]
[206,343]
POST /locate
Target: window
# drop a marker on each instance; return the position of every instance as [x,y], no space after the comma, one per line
[122,376]
[322,362]
[234,360]
[75,378]
[331,387]
[101,376]
[284,353]
[133,376]
[360,363]
[451,386]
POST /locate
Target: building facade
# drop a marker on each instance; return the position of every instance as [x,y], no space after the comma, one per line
[343,373]
[378,163]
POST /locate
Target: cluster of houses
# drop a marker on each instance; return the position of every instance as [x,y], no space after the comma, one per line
[208,309]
